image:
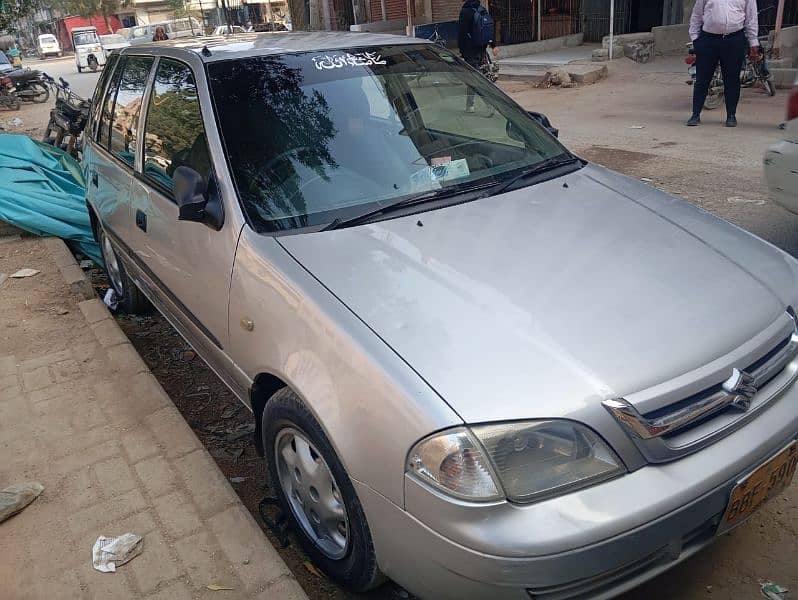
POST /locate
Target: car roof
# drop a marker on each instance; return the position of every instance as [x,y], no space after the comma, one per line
[243,45]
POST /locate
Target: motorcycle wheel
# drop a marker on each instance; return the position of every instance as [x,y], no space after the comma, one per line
[41,92]
[714,99]
[769,87]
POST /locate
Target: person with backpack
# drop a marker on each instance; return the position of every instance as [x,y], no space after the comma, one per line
[474,35]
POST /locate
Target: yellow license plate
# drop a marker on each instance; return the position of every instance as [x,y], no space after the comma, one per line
[761,485]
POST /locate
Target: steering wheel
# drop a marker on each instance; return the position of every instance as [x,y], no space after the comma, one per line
[283,155]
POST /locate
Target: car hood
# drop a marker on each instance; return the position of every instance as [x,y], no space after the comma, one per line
[540,301]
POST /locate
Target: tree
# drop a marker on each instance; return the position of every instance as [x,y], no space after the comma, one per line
[11,11]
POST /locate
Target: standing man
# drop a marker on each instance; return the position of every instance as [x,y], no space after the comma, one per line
[474,35]
[722,31]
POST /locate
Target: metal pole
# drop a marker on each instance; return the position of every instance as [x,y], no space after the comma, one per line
[612,26]
[777,31]
[409,8]
[540,19]
[269,11]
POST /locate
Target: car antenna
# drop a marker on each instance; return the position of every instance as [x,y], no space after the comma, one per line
[205,51]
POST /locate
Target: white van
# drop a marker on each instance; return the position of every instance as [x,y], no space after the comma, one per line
[47,45]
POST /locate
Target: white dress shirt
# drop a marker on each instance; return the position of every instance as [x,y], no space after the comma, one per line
[724,17]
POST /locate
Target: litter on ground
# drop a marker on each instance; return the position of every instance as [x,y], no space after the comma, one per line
[16,497]
[108,553]
[24,273]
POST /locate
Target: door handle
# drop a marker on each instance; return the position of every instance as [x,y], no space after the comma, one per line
[94,179]
[141,220]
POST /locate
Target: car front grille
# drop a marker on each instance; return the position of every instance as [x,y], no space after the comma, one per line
[692,423]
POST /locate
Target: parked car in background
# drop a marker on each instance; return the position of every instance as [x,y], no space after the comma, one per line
[781,159]
[5,64]
[175,28]
[477,363]
[113,42]
[224,30]
[47,45]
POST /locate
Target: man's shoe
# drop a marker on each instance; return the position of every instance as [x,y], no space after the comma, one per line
[694,121]
[731,121]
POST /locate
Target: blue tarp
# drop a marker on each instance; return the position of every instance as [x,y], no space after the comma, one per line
[42,190]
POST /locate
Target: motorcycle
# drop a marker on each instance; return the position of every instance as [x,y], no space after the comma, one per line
[30,85]
[752,73]
[8,97]
[68,119]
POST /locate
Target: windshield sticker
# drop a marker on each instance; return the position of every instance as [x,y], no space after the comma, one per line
[358,59]
[424,179]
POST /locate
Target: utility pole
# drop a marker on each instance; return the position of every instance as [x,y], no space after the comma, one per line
[226,16]
[777,31]
[612,27]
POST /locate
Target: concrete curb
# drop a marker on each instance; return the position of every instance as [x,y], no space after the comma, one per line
[72,273]
[229,519]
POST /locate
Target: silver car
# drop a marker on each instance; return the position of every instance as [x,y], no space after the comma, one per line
[477,364]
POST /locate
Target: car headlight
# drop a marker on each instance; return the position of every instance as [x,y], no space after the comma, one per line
[528,461]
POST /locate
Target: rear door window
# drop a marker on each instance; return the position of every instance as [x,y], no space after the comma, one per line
[127,107]
[108,105]
[174,133]
[97,99]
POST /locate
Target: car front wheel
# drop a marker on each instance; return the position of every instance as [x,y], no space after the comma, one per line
[317,495]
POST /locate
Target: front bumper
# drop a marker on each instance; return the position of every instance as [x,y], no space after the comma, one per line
[595,543]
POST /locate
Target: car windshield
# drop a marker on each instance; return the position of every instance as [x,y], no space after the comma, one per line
[85,38]
[4,59]
[318,136]
[112,39]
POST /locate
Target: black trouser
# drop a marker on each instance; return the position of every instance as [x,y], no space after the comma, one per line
[730,51]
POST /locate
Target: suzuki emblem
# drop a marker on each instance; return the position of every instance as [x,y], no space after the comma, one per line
[739,384]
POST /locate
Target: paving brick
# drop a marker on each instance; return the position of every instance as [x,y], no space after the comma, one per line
[8,366]
[75,445]
[108,333]
[95,517]
[65,370]
[105,586]
[9,382]
[286,588]
[77,282]
[94,310]
[14,409]
[178,515]
[203,480]
[157,476]
[243,542]
[10,392]
[139,396]
[172,431]
[78,489]
[139,444]
[36,379]
[176,591]
[50,392]
[205,561]
[64,585]
[45,360]
[124,360]
[115,477]
[155,564]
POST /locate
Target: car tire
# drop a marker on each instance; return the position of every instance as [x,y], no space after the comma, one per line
[80,69]
[287,424]
[131,300]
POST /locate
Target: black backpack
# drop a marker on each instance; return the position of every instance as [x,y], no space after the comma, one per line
[481,28]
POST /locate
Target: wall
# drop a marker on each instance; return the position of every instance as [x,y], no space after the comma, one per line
[671,39]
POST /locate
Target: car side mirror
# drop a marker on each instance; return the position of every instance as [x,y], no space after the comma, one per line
[193,203]
[544,121]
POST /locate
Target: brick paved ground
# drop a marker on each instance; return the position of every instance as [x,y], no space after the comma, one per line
[81,413]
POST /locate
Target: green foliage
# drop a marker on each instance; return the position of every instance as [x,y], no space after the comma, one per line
[11,11]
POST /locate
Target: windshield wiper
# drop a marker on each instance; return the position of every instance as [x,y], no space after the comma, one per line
[420,198]
[540,168]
